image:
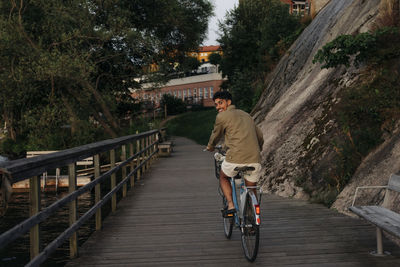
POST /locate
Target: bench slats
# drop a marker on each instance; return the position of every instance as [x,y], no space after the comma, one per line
[381,217]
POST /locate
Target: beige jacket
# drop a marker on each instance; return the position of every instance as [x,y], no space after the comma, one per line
[243,138]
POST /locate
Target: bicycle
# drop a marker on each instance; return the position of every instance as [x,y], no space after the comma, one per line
[247,215]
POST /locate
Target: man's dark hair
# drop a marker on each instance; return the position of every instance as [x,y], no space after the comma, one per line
[222,95]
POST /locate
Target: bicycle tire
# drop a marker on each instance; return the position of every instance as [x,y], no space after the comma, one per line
[227,222]
[250,232]
[217,166]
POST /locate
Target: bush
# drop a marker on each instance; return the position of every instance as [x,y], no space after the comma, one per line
[373,47]
[193,125]
[174,105]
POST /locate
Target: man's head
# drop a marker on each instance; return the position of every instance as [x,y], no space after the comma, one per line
[222,100]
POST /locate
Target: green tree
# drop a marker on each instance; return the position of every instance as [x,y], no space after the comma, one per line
[77,56]
[174,105]
[250,38]
[215,58]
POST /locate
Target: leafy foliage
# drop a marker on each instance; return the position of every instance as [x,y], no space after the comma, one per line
[174,105]
[366,114]
[253,37]
[363,47]
[72,59]
[193,125]
[215,58]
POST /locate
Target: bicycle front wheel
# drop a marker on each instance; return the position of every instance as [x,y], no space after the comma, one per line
[250,231]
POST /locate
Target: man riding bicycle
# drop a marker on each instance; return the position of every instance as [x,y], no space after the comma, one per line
[243,141]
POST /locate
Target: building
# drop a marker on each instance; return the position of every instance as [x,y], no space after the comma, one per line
[199,88]
[205,51]
[305,7]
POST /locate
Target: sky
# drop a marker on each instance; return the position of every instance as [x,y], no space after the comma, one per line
[220,9]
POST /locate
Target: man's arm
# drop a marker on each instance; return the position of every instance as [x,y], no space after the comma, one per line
[216,133]
[260,137]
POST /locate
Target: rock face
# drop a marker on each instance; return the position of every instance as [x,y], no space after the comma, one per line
[298,93]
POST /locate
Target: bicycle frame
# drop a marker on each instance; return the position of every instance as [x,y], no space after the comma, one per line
[247,215]
[244,192]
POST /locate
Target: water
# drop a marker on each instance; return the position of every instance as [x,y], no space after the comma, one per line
[17,253]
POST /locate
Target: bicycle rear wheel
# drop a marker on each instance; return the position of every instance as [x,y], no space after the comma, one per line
[250,232]
[228,222]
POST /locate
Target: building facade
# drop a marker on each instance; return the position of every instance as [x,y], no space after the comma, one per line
[198,89]
[205,51]
[305,7]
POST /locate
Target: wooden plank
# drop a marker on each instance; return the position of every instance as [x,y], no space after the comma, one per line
[173,219]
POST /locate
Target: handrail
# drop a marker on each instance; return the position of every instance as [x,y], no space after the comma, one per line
[22,169]
[146,150]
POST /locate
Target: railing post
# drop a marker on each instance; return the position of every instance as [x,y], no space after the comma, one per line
[143,155]
[139,171]
[132,164]
[73,240]
[152,149]
[113,181]
[156,145]
[147,153]
[123,158]
[97,190]
[379,246]
[34,184]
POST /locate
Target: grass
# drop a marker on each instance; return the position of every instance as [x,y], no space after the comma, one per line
[196,125]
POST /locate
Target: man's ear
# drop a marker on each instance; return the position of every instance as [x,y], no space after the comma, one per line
[229,102]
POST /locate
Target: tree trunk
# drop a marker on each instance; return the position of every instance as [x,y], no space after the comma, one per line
[103,106]
[12,133]
[72,116]
[103,123]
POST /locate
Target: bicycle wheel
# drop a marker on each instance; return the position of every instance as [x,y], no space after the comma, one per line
[228,222]
[250,232]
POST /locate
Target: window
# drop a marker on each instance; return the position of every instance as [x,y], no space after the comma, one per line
[189,93]
[195,92]
[184,94]
[179,93]
[211,92]
[200,93]
[205,92]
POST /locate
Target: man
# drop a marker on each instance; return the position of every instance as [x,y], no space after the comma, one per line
[243,140]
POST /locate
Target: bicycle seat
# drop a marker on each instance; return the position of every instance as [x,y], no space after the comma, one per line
[244,169]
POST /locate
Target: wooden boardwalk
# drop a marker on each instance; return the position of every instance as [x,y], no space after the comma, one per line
[172,218]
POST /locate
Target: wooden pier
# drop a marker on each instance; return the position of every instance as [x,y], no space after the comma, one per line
[172,218]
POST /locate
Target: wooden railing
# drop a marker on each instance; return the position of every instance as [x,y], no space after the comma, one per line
[141,149]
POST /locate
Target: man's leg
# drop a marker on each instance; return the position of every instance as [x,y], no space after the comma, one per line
[226,189]
[248,183]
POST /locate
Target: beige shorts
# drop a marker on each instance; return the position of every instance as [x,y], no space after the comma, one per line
[253,176]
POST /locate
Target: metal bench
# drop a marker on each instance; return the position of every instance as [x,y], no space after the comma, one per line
[382,217]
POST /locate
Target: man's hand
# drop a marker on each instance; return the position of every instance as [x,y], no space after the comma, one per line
[209,148]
